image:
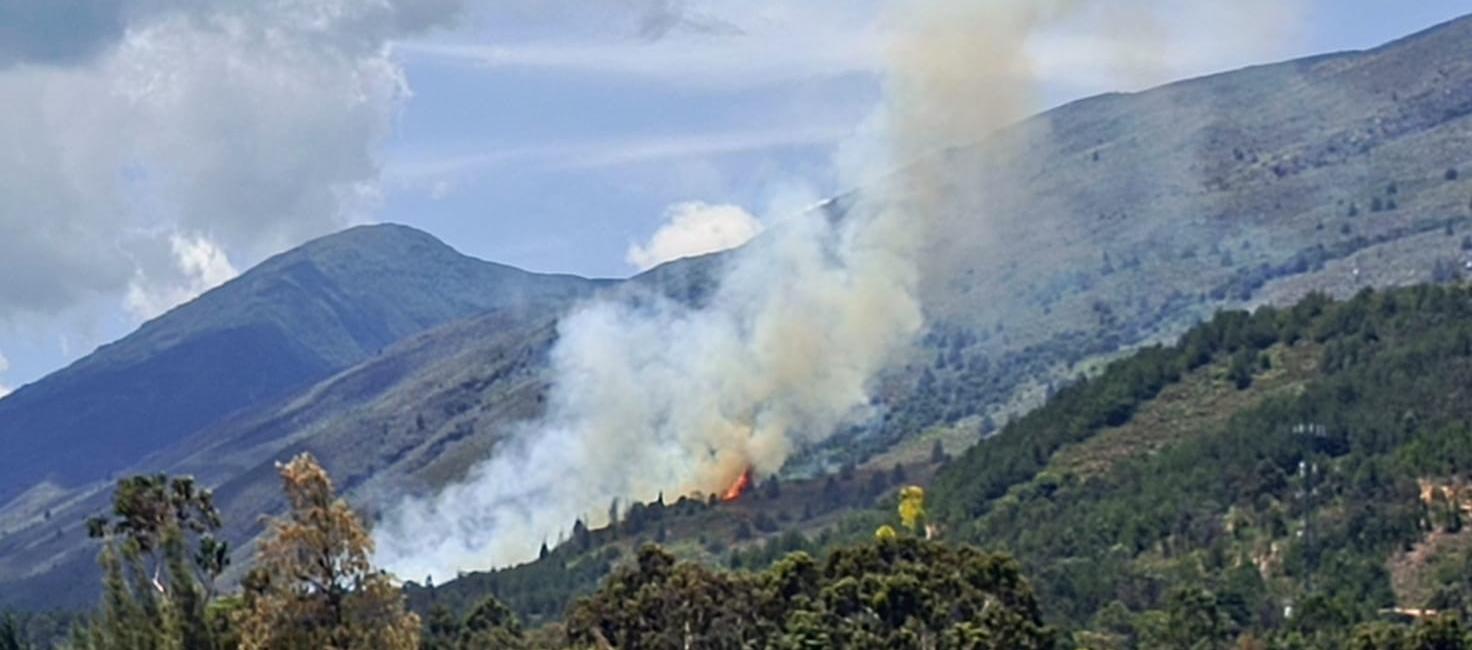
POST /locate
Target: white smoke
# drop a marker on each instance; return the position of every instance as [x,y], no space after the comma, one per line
[660,397]
[656,396]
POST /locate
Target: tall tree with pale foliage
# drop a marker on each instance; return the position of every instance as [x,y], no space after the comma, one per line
[313,585]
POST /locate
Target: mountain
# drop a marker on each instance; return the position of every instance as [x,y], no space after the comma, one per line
[291,321]
[1077,235]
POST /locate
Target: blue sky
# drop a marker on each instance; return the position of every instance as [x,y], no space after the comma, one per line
[529,204]
[548,134]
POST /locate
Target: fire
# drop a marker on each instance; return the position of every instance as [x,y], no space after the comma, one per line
[739,487]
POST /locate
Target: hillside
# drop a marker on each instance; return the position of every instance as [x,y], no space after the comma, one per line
[1075,236]
[1290,464]
[1289,474]
[1124,218]
[287,323]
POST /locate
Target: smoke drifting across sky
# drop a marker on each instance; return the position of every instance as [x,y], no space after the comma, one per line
[656,396]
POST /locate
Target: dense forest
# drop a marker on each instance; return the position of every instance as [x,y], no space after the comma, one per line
[1285,478]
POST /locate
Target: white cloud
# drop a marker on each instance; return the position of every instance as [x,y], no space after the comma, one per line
[694,228]
[246,126]
[200,263]
[4,366]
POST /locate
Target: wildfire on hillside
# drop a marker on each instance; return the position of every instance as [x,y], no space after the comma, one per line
[739,487]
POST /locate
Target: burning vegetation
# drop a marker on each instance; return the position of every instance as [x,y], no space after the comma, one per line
[738,487]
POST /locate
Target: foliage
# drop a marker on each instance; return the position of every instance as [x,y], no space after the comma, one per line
[489,625]
[1283,516]
[912,507]
[156,593]
[899,592]
[313,585]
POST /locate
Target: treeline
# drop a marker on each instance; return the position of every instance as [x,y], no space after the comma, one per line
[752,533]
[312,586]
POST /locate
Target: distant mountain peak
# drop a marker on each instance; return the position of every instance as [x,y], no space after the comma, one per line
[294,319]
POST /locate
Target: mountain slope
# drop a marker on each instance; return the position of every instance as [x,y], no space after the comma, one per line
[1285,464]
[291,321]
[1288,473]
[1078,234]
[1125,218]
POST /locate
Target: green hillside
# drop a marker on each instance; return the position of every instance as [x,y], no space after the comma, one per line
[1275,473]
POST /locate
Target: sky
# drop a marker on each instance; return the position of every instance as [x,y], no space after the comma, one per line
[157,148]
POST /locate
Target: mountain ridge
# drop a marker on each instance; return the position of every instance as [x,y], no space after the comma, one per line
[292,320]
[1081,233]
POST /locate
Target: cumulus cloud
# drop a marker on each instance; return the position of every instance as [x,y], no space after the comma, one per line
[199,262]
[4,366]
[694,228]
[150,142]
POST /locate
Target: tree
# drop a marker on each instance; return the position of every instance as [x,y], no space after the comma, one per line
[12,637]
[313,585]
[441,630]
[613,517]
[938,452]
[1195,619]
[890,593]
[491,625]
[157,594]
[1239,371]
[912,507]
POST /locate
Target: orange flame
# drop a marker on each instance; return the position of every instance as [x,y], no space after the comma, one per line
[739,487]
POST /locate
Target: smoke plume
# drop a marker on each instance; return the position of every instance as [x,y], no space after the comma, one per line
[654,396]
